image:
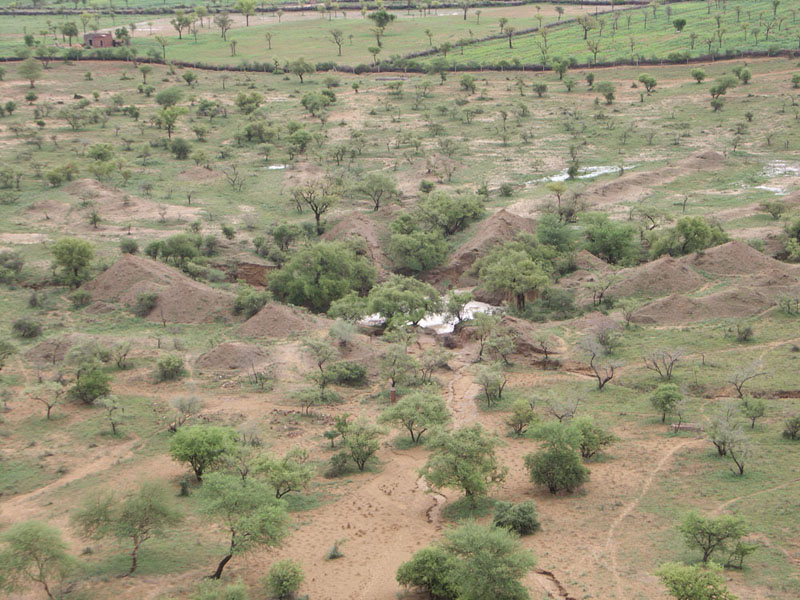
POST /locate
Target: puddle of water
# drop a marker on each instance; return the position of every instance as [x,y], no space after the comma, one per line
[780,168]
[276,167]
[778,191]
[583,173]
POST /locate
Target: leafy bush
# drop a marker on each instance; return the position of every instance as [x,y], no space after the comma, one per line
[557,468]
[347,373]
[284,579]
[170,368]
[338,465]
[80,299]
[430,570]
[144,304]
[520,518]
[10,266]
[91,385]
[791,428]
[128,246]
[26,328]
[249,301]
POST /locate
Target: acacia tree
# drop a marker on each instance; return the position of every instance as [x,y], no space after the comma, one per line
[418,412]
[246,510]
[711,534]
[666,399]
[690,582]
[137,518]
[289,473]
[73,255]
[379,188]
[319,196]
[512,272]
[31,70]
[337,37]
[382,19]
[34,552]
[464,459]
[202,446]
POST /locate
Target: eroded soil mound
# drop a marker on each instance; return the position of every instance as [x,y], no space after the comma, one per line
[180,298]
[500,227]
[232,356]
[54,350]
[278,321]
[361,226]
[658,278]
[736,258]
[738,301]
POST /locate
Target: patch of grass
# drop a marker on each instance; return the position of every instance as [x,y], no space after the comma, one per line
[469,508]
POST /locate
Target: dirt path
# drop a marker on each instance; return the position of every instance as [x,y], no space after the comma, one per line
[728,503]
[461,390]
[611,546]
[18,508]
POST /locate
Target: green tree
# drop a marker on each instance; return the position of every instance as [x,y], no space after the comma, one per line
[685,582]
[418,412]
[397,365]
[138,517]
[753,409]
[31,70]
[362,442]
[202,446]
[711,534]
[382,18]
[521,417]
[284,579]
[698,75]
[318,275]
[511,272]
[666,399]
[464,459]
[169,97]
[145,70]
[35,552]
[648,81]
[417,250]
[301,68]
[607,90]
[450,214]
[431,570]
[401,300]
[379,188]
[91,384]
[289,473]
[246,511]
[73,255]
[168,118]
[70,30]
[247,8]
[557,467]
[611,240]
[490,562]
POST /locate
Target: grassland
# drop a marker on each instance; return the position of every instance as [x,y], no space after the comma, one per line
[513,137]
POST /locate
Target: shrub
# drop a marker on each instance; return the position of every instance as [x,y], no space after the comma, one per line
[249,301]
[284,579]
[180,148]
[426,187]
[430,570]
[520,518]
[557,468]
[334,552]
[10,266]
[26,328]
[791,428]
[128,246]
[144,304]
[91,384]
[347,373]
[229,232]
[339,464]
[506,190]
[170,368]
[80,299]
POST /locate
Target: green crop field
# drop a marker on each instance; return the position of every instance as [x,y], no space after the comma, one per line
[649,33]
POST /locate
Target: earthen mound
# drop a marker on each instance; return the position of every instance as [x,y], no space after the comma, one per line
[735,258]
[232,356]
[729,303]
[360,226]
[54,350]
[658,278]
[180,298]
[278,321]
[500,227]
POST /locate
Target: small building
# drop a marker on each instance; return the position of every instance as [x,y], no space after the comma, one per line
[98,40]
